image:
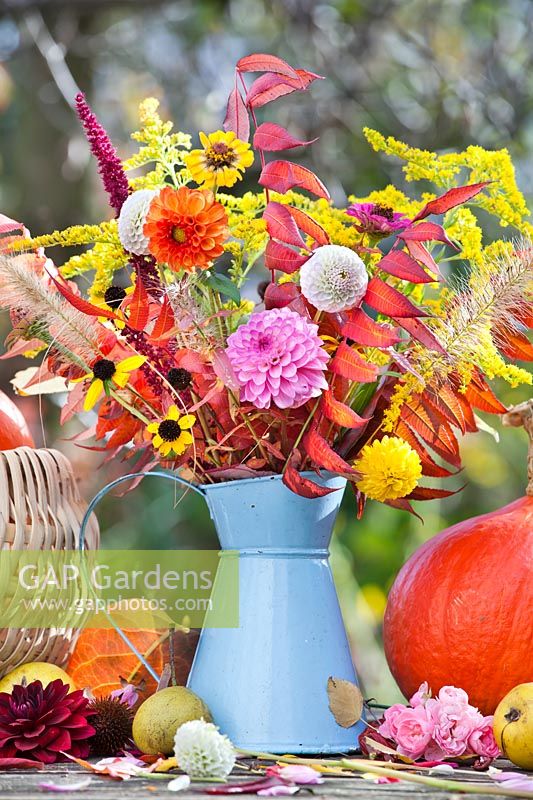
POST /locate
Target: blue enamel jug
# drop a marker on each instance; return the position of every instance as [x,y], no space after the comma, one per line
[265,681]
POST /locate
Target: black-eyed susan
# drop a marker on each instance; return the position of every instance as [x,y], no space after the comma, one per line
[172,433]
[112,301]
[104,372]
[389,468]
[221,161]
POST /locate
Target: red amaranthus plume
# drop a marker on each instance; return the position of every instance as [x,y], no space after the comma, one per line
[109,164]
[42,724]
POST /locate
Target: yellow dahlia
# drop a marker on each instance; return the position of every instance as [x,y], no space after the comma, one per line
[172,433]
[389,468]
[222,160]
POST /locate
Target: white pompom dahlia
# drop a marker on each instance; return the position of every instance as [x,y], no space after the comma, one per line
[131,221]
[334,278]
[202,751]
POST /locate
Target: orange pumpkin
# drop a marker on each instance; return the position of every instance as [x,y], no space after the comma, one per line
[14,431]
[461,609]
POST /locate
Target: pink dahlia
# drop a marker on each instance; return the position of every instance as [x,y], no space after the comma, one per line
[377,220]
[278,358]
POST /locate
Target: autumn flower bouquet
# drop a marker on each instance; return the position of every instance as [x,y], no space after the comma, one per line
[233,335]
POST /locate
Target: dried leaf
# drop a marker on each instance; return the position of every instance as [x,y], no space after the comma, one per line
[345,701]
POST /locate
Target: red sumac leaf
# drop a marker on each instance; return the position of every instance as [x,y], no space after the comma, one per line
[452,198]
[484,399]
[308,225]
[427,493]
[278,256]
[429,467]
[270,86]
[237,119]
[340,413]
[281,225]
[301,485]
[351,366]
[515,345]
[387,300]
[364,330]
[272,137]
[280,295]
[79,303]
[165,320]
[281,176]
[139,306]
[320,452]
[426,232]
[264,62]
[402,266]
[421,333]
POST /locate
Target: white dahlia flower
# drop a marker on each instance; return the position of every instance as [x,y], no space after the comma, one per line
[202,751]
[334,278]
[131,221]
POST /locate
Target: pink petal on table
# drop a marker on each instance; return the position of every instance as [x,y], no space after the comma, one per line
[514,780]
[78,786]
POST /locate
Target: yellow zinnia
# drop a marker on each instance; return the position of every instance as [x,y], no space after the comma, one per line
[221,161]
[389,468]
[104,371]
[172,433]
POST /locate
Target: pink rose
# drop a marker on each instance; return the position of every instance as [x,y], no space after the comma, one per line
[421,697]
[453,727]
[413,731]
[388,727]
[482,742]
[453,698]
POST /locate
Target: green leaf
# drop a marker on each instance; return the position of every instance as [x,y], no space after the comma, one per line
[223,285]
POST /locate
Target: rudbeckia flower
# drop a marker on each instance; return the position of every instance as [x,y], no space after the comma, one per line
[172,433]
[186,228]
[106,371]
[112,301]
[222,160]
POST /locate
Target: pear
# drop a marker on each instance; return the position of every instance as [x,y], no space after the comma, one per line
[513,725]
[35,671]
[159,717]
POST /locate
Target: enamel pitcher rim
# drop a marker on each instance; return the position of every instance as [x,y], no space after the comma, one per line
[324,476]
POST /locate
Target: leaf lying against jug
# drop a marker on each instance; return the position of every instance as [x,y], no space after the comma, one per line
[345,701]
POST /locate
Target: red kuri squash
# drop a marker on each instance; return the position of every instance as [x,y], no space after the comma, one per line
[14,431]
[461,609]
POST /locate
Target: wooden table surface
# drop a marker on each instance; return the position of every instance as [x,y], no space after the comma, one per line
[24,784]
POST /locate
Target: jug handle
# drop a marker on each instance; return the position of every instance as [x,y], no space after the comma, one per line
[81,542]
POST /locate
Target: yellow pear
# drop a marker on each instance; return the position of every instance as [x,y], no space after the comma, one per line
[35,671]
[513,725]
[159,717]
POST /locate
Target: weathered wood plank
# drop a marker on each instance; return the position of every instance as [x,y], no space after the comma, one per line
[24,785]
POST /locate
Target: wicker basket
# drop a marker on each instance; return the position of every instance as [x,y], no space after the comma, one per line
[40,509]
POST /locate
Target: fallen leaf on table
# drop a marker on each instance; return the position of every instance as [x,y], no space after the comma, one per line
[166,764]
[52,786]
[345,701]
[20,763]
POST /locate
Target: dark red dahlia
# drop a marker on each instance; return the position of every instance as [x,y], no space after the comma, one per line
[42,724]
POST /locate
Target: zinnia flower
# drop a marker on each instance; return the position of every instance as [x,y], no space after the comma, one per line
[221,161]
[106,371]
[186,228]
[202,751]
[389,468]
[172,433]
[43,723]
[334,278]
[131,221]
[377,220]
[278,358]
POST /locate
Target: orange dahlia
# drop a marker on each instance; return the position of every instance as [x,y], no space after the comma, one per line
[186,228]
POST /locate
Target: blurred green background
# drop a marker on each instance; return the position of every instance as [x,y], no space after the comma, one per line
[440,74]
